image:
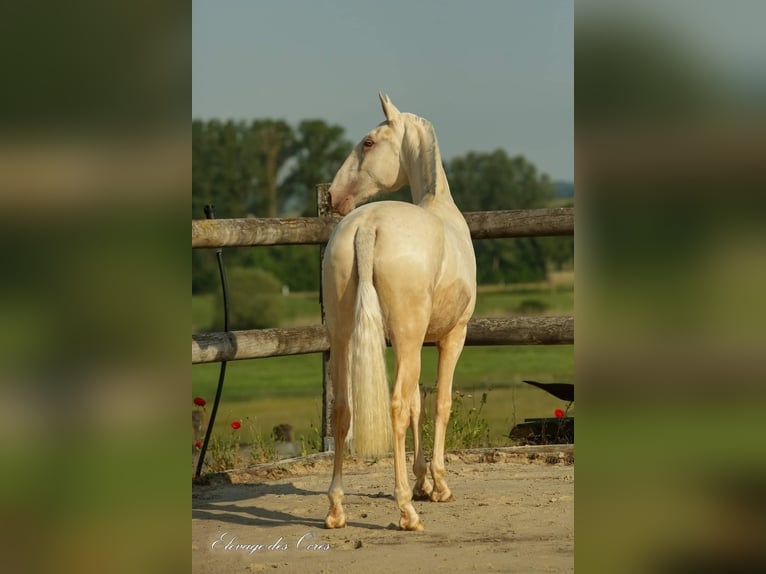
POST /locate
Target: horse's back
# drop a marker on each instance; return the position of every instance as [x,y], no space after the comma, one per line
[406,236]
[419,271]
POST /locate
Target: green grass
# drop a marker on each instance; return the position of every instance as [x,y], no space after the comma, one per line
[278,390]
[554,301]
[202,312]
[302,309]
[297,376]
[301,375]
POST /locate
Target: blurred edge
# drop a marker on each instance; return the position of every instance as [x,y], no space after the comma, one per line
[670,101]
[95,167]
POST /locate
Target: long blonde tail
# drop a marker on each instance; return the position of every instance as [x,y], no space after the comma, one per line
[371,410]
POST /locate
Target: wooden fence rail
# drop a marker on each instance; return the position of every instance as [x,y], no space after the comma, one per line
[213,233]
[260,343]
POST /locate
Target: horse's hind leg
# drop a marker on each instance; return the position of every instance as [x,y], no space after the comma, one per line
[403,400]
[423,486]
[336,517]
[450,348]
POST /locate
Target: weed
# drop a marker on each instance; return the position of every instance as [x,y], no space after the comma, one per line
[467,428]
[224,452]
[262,449]
[314,441]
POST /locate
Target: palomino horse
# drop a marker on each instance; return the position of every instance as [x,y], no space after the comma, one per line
[397,270]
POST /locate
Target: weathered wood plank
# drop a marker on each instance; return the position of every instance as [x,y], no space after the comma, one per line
[521,331]
[213,233]
[260,343]
[520,223]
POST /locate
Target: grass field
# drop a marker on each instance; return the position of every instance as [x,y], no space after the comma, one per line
[266,392]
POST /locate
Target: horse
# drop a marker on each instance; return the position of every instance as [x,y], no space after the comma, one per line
[402,271]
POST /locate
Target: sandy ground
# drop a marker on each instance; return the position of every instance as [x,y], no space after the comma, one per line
[513,512]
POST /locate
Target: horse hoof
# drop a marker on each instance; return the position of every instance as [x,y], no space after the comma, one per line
[442,496]
[423,492]
[416,527]
[335,522]
[330,524]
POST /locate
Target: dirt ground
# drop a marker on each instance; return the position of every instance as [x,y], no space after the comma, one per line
[513,512]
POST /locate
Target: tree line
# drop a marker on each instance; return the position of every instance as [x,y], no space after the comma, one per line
[268,168]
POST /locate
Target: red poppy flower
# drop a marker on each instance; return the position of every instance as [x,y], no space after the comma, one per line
[235,425]
[198,444]
[199,401]
[559,413]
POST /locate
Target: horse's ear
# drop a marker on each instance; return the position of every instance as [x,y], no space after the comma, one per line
[389,109]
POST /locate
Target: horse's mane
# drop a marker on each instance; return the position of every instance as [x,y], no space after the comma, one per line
[429,153]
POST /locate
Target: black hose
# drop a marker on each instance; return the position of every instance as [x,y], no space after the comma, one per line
[210,214]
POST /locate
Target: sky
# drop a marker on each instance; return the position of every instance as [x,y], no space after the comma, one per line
[487,73]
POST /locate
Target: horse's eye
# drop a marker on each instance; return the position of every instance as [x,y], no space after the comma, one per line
[368,143]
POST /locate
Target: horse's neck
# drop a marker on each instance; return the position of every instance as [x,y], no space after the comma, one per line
[437,199]
[431,187]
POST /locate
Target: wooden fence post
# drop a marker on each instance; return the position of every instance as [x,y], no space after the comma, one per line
[328,396]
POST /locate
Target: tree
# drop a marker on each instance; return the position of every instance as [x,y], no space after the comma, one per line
[319,151]
[236,167]
[217,180]
[495,181]
[267,146]
[221,174]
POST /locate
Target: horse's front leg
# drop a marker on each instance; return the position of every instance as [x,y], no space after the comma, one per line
[405,389]
[336,517]
[449,352]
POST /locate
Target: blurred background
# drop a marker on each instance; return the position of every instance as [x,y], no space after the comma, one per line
[95,170]
[669,106]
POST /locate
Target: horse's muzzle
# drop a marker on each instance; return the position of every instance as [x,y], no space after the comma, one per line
[343,206]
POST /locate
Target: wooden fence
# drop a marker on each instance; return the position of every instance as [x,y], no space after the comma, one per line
[261,343]
[316,230]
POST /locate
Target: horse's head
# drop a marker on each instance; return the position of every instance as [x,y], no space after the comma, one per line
[374,165]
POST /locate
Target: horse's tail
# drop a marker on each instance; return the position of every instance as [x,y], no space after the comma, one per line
[371,412]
